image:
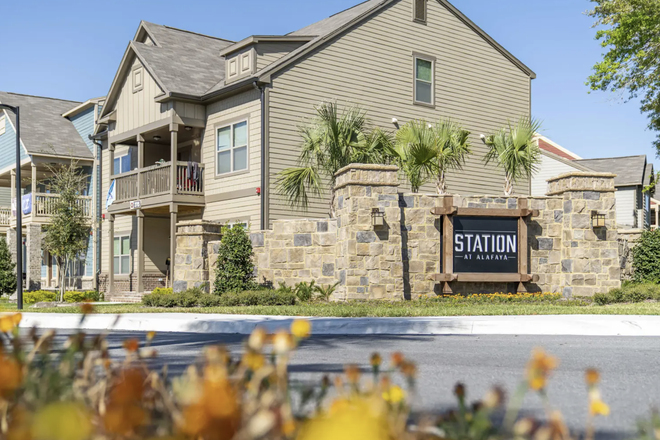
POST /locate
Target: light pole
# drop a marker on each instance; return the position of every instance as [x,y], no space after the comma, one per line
[19,225]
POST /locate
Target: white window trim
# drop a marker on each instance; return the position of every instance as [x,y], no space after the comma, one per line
[120,237]
[432,60]
[3,123]
[231,124]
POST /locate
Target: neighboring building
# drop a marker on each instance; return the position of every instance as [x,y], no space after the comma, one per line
[53,131]
[231,111]
[633,174]
[655,214]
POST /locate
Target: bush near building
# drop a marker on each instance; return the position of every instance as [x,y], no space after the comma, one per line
[197,298]
[38,296]
[646,255]
[234,268]
[7,270]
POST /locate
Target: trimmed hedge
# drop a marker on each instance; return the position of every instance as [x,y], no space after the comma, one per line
[629,293]
[197,298]
[38,296]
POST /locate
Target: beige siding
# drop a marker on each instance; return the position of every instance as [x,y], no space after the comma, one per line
[626,203]
[548,169]
[372,65]
[188,110]
[244,106]
[137,109]
[268,53]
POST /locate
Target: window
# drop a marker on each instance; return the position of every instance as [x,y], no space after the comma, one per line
[2,124]
[122,164]
[232,150]
[424,73]
[419,13]
[122,260]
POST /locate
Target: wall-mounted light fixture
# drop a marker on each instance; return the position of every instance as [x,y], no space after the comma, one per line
[377,217]
[597,219]
[156,138]
[188,127]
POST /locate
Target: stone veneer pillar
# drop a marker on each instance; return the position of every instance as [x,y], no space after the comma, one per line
[191,260]
[589,256]
[11,243]
[369,264]
[34,241]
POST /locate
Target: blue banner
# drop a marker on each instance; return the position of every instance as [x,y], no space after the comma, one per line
[26,203]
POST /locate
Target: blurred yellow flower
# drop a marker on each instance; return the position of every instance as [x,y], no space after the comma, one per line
[282,342]
[254,361]
[257,339]
[11,376]
[539,368]
[358,419]
[599,408]
[394,395]
[151,335]
[20,425]
[62,421]
[376,360]
[301,328]
[8,322]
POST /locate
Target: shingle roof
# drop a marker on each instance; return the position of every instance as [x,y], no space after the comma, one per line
[43,129]
[629,170]
[185,62]
[648,175]
[336,21]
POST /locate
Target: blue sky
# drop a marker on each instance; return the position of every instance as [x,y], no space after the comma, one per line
[71,49]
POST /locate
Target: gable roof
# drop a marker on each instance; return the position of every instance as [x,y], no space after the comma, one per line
[648,174]
[546,144]
[44,131]
[629,170]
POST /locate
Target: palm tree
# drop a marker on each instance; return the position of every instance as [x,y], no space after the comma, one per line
[332,141]
[514,150]
[425,151]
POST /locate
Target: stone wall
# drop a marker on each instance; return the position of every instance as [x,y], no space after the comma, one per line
[627,241]
[192,267]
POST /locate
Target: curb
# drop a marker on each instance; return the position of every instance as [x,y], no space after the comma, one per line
[575,325]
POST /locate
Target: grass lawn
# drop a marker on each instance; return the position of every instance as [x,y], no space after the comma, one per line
[382,309]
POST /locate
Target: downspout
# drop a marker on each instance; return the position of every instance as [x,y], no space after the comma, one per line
[263,191]
[97,186]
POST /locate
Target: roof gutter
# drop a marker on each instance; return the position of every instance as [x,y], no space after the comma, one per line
[263,191]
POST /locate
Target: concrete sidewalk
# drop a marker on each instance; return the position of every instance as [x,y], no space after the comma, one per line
[579,325]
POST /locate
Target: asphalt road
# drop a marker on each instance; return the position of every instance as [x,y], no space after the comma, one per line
[628,366]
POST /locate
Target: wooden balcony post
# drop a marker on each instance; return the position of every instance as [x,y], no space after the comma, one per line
[140,250]
[173,214]
[111,150]
[12,195]
[140,163]
[174,128]
[34,191]
[111,254]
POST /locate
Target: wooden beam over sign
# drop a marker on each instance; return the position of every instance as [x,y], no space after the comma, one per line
[484,277]
[484,212]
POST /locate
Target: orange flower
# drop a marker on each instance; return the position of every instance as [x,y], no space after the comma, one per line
[20,425]
[352,373]
[151,335]
[592,377]
[8,322]
[397,359]
[128,388]
[539,368]
[409,369]
[11,376]
[301,328]
[86,308]
[131,345]
[124,419]
[17,317]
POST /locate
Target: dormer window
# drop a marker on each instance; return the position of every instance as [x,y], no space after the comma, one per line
[419,13]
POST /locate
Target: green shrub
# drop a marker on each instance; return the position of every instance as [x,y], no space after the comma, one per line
[161,290]
[259,298]
[76,297]
[325,293]
[7,270]
[234,268]
[602,299]
[197,298]
[646,255]
[629,293]
[305,291]
[39,296]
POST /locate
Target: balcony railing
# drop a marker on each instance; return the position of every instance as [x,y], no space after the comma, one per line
[5,216]
[155,181]
[45,204]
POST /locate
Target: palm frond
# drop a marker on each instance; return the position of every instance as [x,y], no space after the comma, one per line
[297,184]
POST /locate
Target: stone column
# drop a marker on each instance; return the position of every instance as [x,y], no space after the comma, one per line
[11,243]
[369,259]
[140,250]
[33,257]
[589,255]
[192,265]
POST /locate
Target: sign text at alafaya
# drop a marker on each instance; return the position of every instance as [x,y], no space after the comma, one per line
[485,245]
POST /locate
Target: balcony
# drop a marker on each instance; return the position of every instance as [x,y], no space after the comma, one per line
[151,186]
[43,207]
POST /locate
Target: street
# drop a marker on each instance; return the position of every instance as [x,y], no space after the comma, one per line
[628,366]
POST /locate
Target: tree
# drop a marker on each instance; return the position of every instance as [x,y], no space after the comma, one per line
[7,270]
[234,269]
[330,142]
[425,151]
[68,232]
[632,61]
[513,149]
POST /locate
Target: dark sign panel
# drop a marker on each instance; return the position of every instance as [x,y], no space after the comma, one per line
[485,245]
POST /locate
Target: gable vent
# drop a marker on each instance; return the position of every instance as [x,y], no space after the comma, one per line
[420,11]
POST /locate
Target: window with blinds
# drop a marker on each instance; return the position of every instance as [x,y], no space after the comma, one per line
[419,14]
